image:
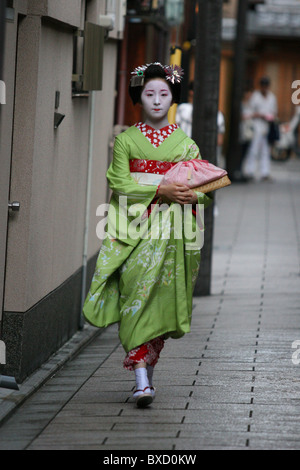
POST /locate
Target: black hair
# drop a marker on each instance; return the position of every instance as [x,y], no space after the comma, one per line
[265,81]
[152,72]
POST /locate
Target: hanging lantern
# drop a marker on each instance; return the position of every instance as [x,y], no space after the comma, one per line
[174,12]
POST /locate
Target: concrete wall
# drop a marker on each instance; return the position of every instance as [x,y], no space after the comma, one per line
[68,11]
[104,116]
[48,167]
[49,176]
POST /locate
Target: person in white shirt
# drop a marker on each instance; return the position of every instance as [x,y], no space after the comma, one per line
[263,106]
[184,119]
[184,114]
[221,134]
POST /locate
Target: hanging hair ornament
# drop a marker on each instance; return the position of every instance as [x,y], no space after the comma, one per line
[138,78]
[174,73]
[139,71]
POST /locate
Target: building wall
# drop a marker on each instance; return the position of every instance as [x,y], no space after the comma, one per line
[103,139]
[49,177]
[48,167]
[269,53]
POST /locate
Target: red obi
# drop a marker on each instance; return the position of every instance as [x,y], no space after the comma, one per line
[150,166]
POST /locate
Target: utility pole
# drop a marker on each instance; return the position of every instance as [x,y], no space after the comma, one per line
[234,152]
[205,112]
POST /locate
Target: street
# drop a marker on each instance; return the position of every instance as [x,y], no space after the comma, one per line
[232,383]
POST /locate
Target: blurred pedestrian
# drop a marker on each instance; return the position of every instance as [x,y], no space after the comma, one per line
[145,283]
[220,142]
[264,108]
[184,114]
[246,131]
[184,119]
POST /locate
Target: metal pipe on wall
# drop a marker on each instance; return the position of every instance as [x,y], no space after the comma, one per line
[88,205]
[122,78]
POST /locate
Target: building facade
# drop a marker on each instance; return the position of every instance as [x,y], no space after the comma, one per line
[54,148]
[66,70]
[273,41]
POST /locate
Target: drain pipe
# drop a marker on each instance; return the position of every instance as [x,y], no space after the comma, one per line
[87,207]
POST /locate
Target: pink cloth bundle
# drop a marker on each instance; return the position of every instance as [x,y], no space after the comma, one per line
[193,173]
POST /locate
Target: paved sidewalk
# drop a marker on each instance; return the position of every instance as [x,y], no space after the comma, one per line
[232,383]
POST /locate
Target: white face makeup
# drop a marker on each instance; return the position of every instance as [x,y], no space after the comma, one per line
[156,99]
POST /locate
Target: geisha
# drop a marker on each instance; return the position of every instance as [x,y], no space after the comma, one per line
[143,283]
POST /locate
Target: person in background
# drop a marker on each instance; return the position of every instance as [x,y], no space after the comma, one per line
[221,133]
[184,119]
[263,108]
[184,115]
[246,131]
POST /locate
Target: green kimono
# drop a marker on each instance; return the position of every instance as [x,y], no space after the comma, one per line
[145,280]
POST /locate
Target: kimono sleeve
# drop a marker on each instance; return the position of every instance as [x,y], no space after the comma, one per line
[120,180]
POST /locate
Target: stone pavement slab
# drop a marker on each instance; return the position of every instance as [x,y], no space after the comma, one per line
[230,384]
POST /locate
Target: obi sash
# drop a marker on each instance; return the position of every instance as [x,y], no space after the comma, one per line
[149,172]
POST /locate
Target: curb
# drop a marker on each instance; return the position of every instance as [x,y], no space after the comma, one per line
[10,401]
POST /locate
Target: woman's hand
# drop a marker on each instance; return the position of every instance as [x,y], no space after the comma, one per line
[177,193]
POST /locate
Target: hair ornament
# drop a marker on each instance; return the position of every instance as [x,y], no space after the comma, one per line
[174,73]
[139,71]
[138,78]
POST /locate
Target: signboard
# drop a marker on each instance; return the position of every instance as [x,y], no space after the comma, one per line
[274,23]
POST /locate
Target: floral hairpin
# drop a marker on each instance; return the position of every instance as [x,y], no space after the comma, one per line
[174,73]
[138,78]
[139,71]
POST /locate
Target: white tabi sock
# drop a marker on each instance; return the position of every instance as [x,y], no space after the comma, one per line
[141,379]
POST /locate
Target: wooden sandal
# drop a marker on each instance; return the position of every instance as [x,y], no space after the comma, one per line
[144,399]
